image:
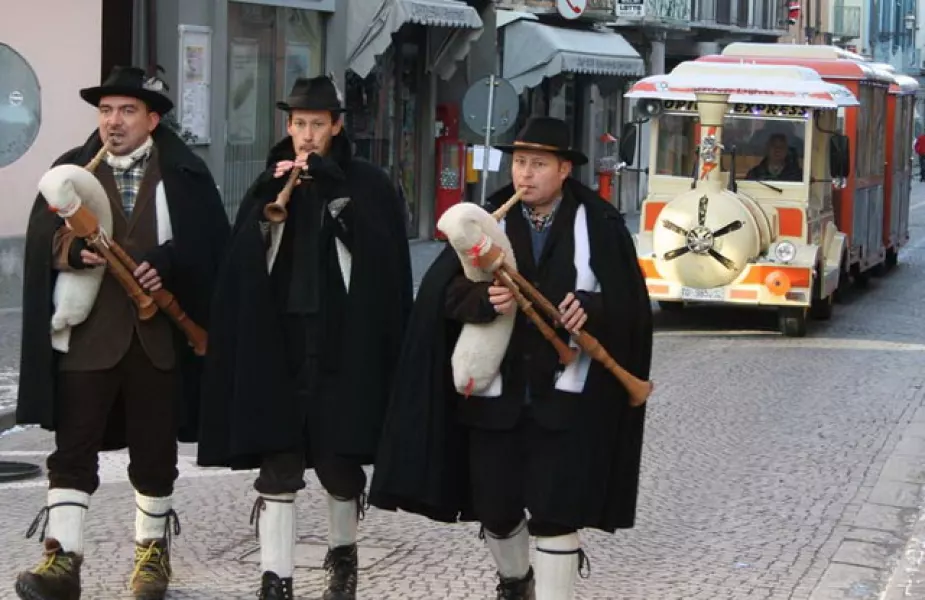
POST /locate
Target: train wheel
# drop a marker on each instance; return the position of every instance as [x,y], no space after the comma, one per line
[861,278]
[844,281]
[892,258]
[792,321]
[821,308]
[668,306]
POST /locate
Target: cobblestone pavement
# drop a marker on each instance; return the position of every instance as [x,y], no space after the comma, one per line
[773,468]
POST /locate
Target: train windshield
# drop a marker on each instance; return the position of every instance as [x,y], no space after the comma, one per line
[765,149]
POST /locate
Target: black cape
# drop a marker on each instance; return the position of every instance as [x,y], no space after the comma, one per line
[422,463]
[249,409]
[200,231]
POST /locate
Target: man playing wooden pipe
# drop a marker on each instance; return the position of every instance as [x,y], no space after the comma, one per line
[309,317]
[559,441]
[119,381]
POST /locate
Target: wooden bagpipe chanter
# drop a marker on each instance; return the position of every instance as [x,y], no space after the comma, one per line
[486,255]
[76,195]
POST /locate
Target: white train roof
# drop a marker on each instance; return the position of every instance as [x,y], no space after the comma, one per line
[748,84]
[790,50]
[902,84]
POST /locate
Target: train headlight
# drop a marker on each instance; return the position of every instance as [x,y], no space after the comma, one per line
[785,252]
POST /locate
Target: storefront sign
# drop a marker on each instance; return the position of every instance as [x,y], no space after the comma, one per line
[600,65]
[631,9]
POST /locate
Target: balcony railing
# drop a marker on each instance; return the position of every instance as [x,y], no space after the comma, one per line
[752,14]
[847,21]
[671,10]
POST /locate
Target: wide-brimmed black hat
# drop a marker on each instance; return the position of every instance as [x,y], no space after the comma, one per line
[132,82]
[316,93]
[546,134]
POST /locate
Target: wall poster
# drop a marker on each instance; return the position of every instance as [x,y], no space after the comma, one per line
[195,79]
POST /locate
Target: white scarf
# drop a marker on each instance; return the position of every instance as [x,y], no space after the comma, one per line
[125,161]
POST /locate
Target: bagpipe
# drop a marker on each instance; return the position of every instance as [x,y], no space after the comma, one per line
[485,254]
[77,196]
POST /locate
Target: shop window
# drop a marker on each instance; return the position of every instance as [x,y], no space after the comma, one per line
[20,106]
[384,114]
[268,49]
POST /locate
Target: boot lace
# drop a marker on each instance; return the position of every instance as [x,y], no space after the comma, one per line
[152,564]
[55,564]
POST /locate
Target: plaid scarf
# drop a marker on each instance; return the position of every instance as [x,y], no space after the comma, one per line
[540,222]
[128,172]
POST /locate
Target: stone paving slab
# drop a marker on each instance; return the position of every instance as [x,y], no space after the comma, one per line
[773,468]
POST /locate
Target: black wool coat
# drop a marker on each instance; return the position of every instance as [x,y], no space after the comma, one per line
[249,404]
[422,463]
[200,232]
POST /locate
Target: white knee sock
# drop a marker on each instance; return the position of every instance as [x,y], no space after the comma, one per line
[151,517]
[277,534]
[66,523]
[556,567]
[342,522]
[511,554]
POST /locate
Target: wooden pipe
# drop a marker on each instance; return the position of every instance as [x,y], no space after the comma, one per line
[639,391]
[85,225]
[566,353]
[275,211]
[96,160]
[504,208]
[195,335]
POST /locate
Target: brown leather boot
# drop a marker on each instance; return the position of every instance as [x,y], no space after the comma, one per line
[152,570]
[57,577]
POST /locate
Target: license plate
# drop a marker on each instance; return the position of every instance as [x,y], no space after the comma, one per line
[709,294]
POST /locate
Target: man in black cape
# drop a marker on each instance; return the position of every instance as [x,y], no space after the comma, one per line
[307,325]
[561,443]
[118,381]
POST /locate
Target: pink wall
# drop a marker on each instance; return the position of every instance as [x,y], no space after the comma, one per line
[64,52]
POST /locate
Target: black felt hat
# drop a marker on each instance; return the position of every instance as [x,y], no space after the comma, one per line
[132,82]
[546,134]
[316,93]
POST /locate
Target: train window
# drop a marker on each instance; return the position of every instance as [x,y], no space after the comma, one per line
[676,141]
[20,106]
[766,149]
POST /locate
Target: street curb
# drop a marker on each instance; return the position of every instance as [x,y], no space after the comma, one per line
[876,556]
[7,419]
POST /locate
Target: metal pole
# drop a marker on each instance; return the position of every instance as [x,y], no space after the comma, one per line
[488,128]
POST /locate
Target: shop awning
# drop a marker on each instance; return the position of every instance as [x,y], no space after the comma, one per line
[534,51]
[372,23]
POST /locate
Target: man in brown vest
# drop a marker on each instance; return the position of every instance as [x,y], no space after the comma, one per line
[120,381]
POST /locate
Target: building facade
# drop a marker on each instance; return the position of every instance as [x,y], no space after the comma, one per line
[36,124]
[405,67]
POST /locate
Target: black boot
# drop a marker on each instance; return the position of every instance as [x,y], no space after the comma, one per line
[274,588]
[340,573]
[517,589]
[56,578]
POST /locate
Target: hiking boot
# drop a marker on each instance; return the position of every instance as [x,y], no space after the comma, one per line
[513,588]
[57,577]
[340,573]
[152,570]
[274,587]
